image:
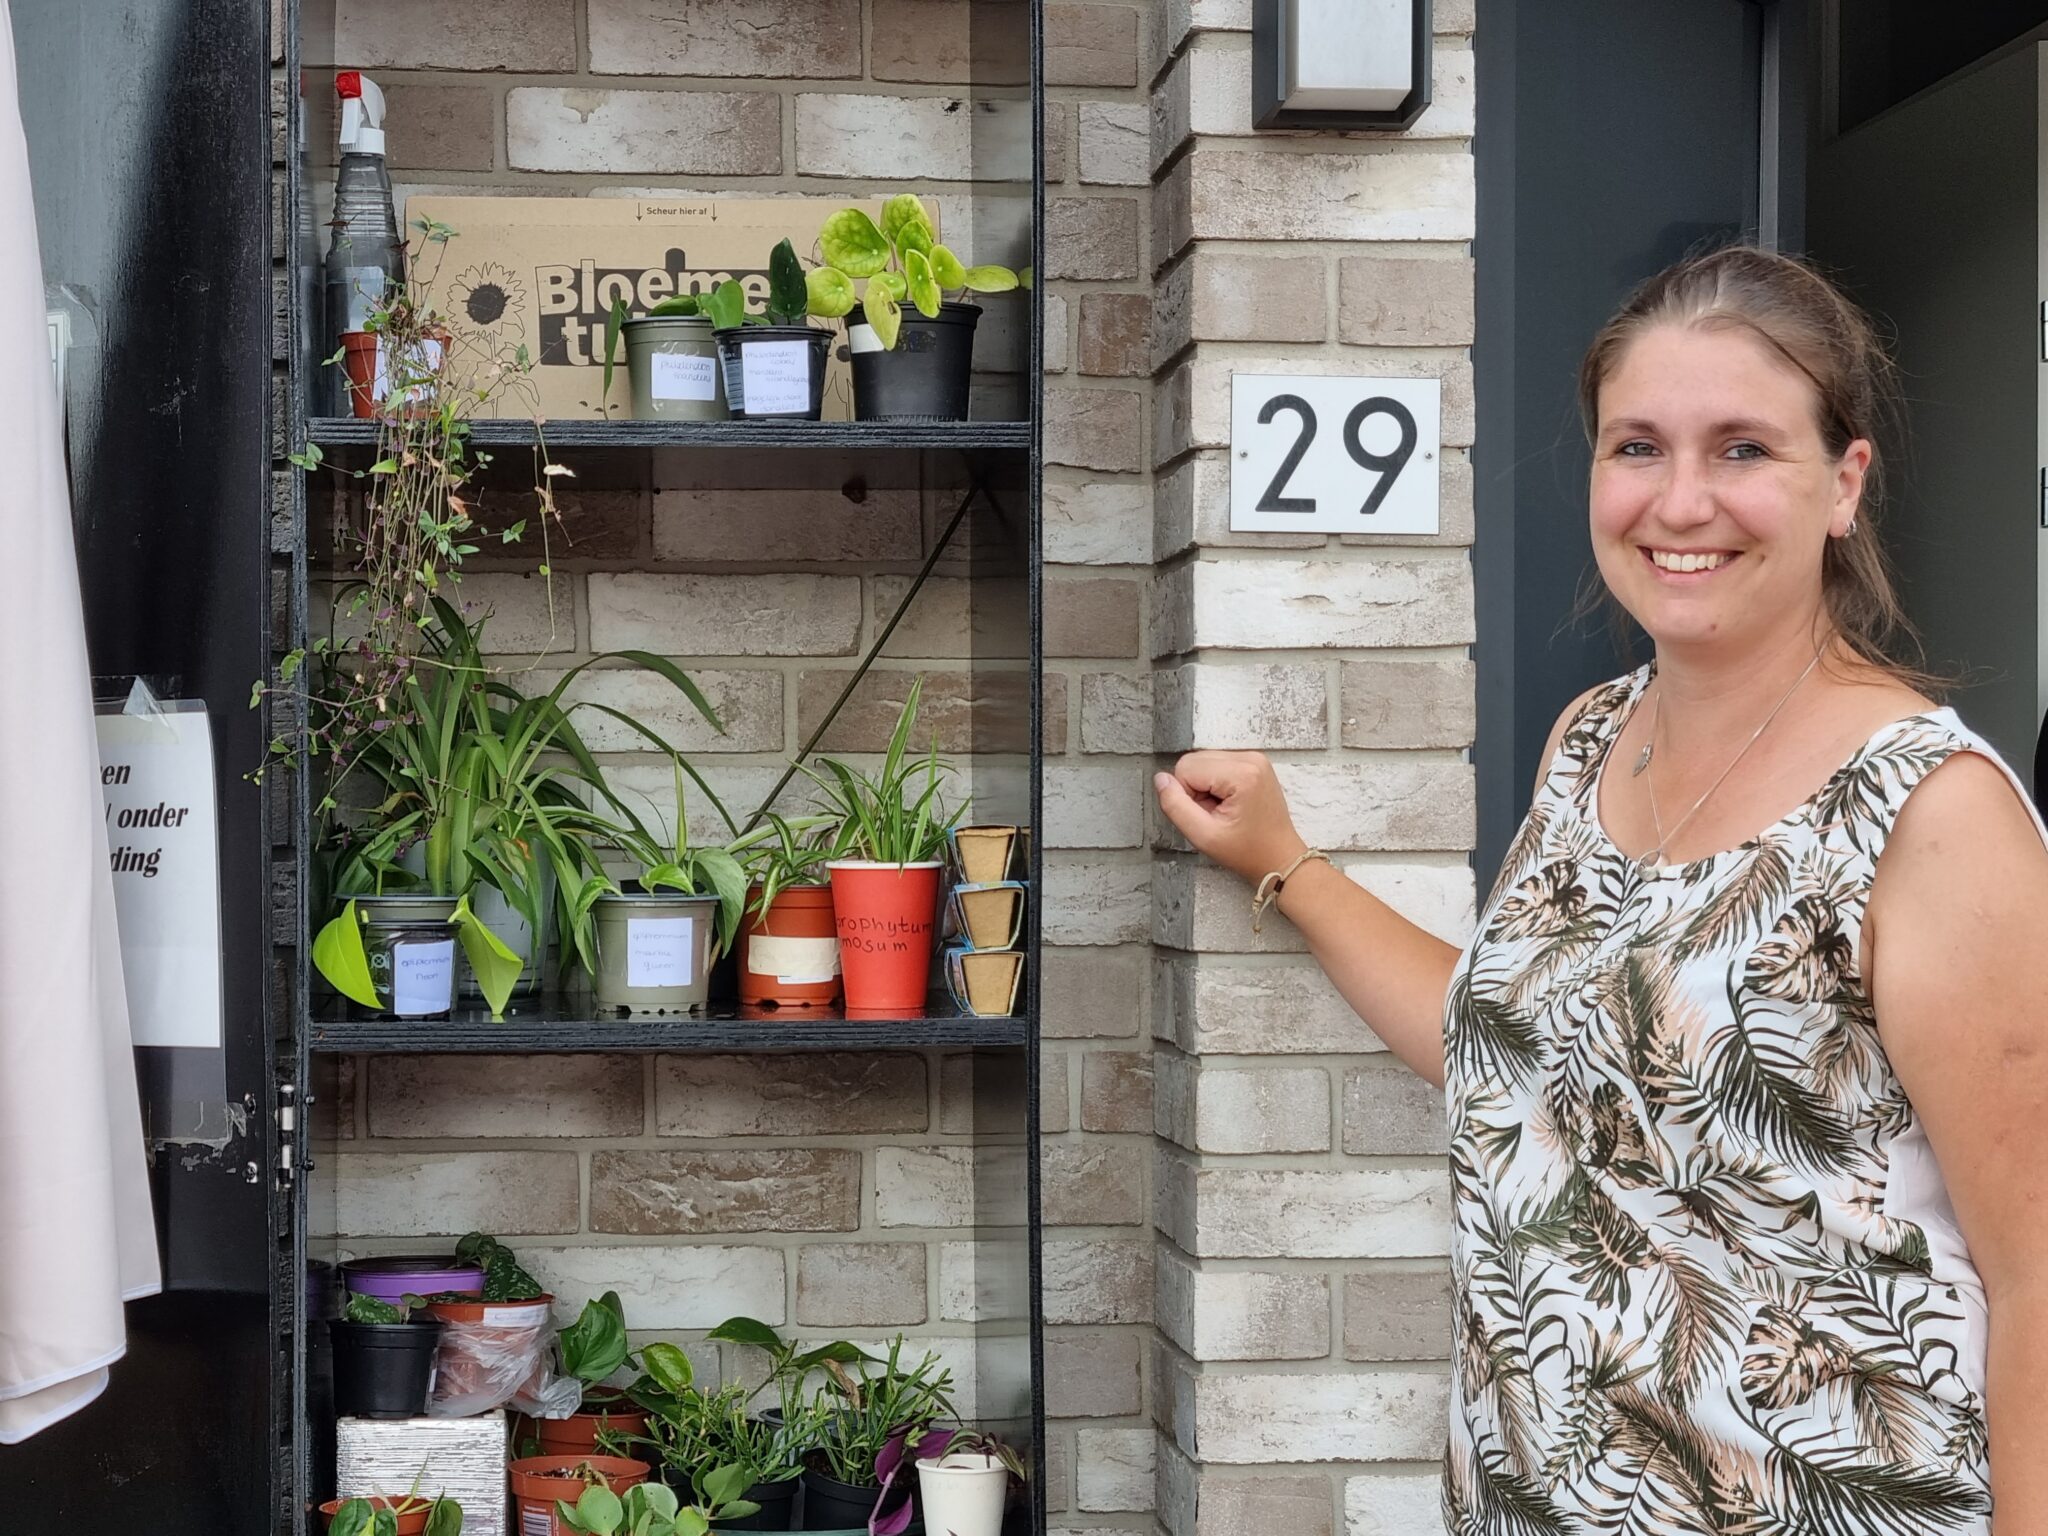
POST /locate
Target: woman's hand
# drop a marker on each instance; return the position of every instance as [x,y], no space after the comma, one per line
[1231,807]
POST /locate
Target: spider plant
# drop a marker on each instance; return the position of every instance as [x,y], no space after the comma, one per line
[786,851]
[671,862]
[888,817]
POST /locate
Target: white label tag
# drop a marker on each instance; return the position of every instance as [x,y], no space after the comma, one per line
[793,962]
[422,977]
[778,376]
[660,951]
[682,376]
[862,338]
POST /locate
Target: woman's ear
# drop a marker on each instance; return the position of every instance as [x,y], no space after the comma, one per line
[1850,470]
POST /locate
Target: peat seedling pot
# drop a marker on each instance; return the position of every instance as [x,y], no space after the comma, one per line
[964,1494]
[410,942]
[538,1481]
[926,377]
[383,1370]
[412,1521]
[672,361]
[886,915]
[789,955]
[577,1434]
[775,372]
[654,952]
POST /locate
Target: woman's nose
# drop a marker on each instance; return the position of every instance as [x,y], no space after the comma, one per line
[1688,499]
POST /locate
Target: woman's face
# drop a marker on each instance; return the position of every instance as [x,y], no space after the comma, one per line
[1713,496]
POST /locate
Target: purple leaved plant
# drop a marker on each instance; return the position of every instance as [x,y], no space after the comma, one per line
[896,1457]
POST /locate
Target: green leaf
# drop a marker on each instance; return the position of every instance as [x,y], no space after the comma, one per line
[850,241]
[599,1508]
[904,212]
[691,1522]
[652,1498]
[947,269]
[612,324]
[339,955]
[385,1523]
[886,316]
[594,1346]
[746,1330]
[726,305]
[496,967]
[989,280]
[356,1517]
[668,1367]
[308,459]
[385,466]
[831,292]
[371,1309]
[678,304]
[788,294]
[924,288]
[888,285]
[444,1519]
[918,238]
[725,1484]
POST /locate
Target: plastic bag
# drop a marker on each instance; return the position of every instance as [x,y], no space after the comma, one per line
[493,1356]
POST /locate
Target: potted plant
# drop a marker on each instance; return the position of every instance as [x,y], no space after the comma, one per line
[893,824]
[775,362]
[493,1344]
[593,1349]
[788,944]
[383,1357]
[672,362]
[696,1434]
[379,1516]
[542,1486]
[845,1474]
[964,1479]
[650,1509]
[906,367]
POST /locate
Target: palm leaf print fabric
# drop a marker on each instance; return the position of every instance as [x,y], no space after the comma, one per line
[1707,1275]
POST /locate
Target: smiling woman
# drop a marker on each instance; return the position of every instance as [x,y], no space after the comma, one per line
[1743,1063]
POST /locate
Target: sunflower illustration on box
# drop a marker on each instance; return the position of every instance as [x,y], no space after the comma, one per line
[487,304]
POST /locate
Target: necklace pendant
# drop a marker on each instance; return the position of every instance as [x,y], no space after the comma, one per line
[1642,761]
[1649,866]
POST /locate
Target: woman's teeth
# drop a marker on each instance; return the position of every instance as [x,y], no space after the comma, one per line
[1666,560]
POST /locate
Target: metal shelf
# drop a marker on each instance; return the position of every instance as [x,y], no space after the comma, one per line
[347,431]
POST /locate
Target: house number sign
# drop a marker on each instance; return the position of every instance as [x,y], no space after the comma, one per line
[1334,455]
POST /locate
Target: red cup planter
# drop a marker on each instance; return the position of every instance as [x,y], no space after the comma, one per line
[789,955]
[411,1521]
[886,915]
[538,1481]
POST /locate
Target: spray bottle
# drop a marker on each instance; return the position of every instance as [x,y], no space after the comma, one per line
[364,255]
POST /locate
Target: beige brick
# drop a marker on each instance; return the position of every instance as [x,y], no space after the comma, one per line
[667,1285]
[1095,805]
[1397,1314]
[1270,707]
[924,1186]
[1093,616]
[748,706]
[1054,1116]
[690,133]
[786,525]
[1116,339]
[1091,45]
[1454,498]
[1199,907]
[922,41]
[886,137]
[1215,1109]
[1224,296]
[597,524]
[652,1191]
[441,127]
[1116,713]
[787,39]
[1235,194]
[1191,507]
[1255,1506]
[1092,239]
[463,34]
[983,1281]
[1116,1091]
[527,615]
[388,1194]
[1059,1468]
[1095,429]
[1390,1110]
[1209,93]
[1094,901]
[1116,143]
[1253,605]
[939,622]
[1092,1374]
[649,790]
[512,1096]
[1098,1280]
[679,615]
[826,1093]
[1456,16]
[1409,703]
[1404,1504]
[1055,344]
[1092,993]
[1254,1420]
[947,707]
[1098,522]
[860,1285]
[1387,301]
[1241,1314]
[1302,1213]
[1384,802]
[1092,1183]
[332,1106]
[1112,1469]
[1057,147]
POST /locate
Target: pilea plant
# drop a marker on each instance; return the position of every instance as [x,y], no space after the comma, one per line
[652,1509]
[900,258]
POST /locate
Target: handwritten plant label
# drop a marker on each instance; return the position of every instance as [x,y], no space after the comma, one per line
[777,377]
[681,376]
[157,779]
[422,977]
[885,935]
[661,951]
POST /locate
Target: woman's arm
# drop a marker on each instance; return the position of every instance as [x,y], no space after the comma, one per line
[1956,949]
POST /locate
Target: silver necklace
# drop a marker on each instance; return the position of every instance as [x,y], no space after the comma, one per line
[1653,861]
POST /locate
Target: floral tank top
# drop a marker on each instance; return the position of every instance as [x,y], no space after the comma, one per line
[1708,1278]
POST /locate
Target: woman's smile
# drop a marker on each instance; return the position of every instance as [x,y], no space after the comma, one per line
[1688,567]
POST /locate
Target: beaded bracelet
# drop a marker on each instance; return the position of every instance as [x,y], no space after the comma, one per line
[1270,888]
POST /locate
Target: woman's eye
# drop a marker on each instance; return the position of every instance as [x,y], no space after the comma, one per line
[1638,449]
[1747,451]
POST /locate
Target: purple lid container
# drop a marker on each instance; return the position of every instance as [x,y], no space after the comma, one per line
[412,1274]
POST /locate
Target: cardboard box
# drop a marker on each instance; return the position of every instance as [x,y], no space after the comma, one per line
[542,272]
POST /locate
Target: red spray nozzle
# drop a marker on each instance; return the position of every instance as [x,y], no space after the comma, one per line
[348,84]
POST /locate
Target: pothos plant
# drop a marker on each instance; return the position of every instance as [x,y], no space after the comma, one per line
[379,1516]
[900,258]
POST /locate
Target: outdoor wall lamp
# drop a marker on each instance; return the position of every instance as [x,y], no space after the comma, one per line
[1339,63]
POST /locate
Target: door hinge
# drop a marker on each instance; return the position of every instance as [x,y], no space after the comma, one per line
[287,1132]
[2044,330]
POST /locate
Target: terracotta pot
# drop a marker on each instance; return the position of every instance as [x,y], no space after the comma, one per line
[577,1434]
[359,364]
[789,955]
[411,1523]
[538,1481]
[886,914]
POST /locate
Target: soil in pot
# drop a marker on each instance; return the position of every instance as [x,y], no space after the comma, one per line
[383,1370]
[538,1481]
[577,1434]
[775,372]
[672,361]
[654,952]
[925,376]
[789,955]
[411,1521]
[886,915]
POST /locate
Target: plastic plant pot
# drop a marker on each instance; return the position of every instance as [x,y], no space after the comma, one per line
[383,1370]
[672,363]
[886,915]
[789,955]
[925,377]
[830,1505]
[964,1494]
[777,1501]
[775,372]
[394,1279]
[359,368]
[654,952]
[410,941]
[538,1481]
[577,1435]
[411,1521]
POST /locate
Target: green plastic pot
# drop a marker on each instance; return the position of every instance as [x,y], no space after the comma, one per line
[654,952]
[672,362]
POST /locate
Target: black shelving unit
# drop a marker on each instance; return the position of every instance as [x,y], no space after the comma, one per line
[981,480]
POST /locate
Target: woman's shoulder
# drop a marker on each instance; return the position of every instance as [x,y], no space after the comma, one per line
[1590,720]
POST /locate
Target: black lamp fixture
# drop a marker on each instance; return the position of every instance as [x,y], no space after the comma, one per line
[1340,63]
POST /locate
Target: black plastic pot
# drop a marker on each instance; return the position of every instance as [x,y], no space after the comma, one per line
[926,377]
[777,1512]
[383,1370]
[830,1505]
[784,394]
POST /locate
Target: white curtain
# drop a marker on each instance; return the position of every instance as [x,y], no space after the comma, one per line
[76,1234]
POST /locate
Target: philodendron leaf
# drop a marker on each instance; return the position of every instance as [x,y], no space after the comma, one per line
[444,1519]
[947,268]
[595,1344]
[831,292]
[989,279]
[669,1367]
[354,1518]
[726,305]
[885,315]
[789,295]
[678,304]
[747,1330]
[338,952]
[924,288]
[850,241]
[495,966]
[904,211]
